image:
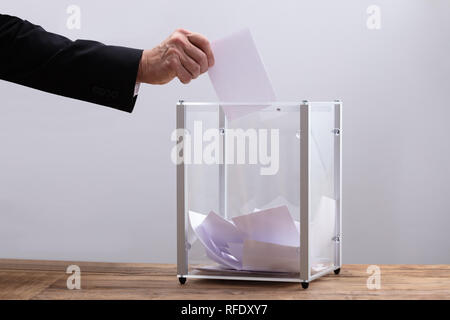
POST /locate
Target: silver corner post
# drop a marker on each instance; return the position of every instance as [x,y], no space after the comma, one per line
[181,195]
[305,269]
[222,165]
[338,179]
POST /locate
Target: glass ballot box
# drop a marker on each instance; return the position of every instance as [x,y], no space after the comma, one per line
[258,190]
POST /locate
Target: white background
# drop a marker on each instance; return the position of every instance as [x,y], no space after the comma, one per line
[85,182]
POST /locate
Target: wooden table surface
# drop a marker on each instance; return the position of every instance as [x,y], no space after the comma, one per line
[36,279]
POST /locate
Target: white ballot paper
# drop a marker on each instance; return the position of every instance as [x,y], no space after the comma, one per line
[243,242]
[273,225]
[238,74]
[265,240]
[209,235]
[272,257]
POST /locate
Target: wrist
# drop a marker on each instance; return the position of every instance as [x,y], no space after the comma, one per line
[141,69]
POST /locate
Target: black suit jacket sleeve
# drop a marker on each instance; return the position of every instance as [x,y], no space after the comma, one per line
[81,69]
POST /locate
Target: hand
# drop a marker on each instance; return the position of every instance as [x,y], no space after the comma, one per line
[184,54]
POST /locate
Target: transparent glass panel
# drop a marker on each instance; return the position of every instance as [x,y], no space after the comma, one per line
[243,206]
[321,189]
[242,187]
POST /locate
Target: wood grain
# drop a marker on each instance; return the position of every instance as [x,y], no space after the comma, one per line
[36,279]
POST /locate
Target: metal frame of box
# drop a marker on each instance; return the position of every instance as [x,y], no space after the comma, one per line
[305,260]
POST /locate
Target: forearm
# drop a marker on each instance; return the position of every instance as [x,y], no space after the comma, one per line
[82,69]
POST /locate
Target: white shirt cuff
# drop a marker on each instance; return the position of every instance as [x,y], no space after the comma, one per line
[136,88]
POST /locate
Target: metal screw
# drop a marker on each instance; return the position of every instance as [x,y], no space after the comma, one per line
[338,237]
